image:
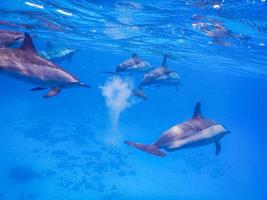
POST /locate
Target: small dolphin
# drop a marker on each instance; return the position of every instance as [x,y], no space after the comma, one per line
[160,76]
[25,64]
[57,55]
[132,65]
[8,38]
[194,132]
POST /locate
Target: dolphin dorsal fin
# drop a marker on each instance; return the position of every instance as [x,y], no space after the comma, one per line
[164,61]
[48,46]
[134,55]
[197,112]
[27,44]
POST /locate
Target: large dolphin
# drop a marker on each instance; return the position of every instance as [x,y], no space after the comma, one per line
[57,55]
[132,65]
[8,38]
[194,132]
[157,77]
[25,64]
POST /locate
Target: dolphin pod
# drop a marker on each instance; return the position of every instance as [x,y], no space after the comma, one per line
[25,64]
[194,132]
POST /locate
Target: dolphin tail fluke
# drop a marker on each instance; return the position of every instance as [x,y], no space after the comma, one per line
[140,93]
[38,88]
[152,149]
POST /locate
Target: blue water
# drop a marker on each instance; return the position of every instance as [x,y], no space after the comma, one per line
[70,147]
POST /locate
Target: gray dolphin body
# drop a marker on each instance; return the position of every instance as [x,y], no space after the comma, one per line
[8,38]
[194,132]
[57,55]
[157,77]
[135,64]
[160,76]
[25,64]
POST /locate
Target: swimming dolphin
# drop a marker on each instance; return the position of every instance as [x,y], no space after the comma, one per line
[216,30]
[160,76]
[194,132]
[8,38]
[57,55]
[132,65]
[25,64]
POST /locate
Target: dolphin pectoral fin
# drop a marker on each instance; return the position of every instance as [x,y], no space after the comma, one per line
[152,149]
[218,147]
[52,92]
[38,88]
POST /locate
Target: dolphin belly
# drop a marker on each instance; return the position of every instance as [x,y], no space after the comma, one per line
[204,137]
[171,79]
[40,75]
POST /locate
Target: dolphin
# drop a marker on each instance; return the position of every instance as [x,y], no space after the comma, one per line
[132,65]
[8,38]
[160,76]
[216,30]
[25,64]
[57,55]
[197,131]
